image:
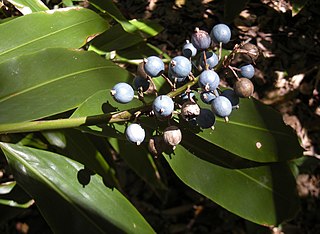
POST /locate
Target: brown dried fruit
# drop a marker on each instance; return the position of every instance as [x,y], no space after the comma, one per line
[243,87]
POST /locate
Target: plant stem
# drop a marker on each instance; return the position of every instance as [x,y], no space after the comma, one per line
[120,116]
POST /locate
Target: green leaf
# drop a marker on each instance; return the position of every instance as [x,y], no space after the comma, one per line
[150,28]
[139,161]
[297,6]
[116,38]
[29,6]
[51,180]
[52,81]
[255,132]
[108,7]
[263,194]
[7,187]
[138,158]
[67,28]
[77,146]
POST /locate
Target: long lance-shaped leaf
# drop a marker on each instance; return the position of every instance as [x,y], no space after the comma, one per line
[67,28]
[52,81]
[263,194]
[51,180]
[256,132]
[29,6]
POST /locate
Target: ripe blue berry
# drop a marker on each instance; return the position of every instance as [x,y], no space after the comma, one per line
[188,50]
[221,106]
[200,39]
[135,133]
[175,78]
[140,84]
[180,66]
[221,33]
[122,92]
[207,96]
[206,118]
[232,96]
[212,60]
[247,71]
[163,106]
[209,80]
[187,96]
[153,66]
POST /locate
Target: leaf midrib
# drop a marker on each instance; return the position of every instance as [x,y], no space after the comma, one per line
[5,98]
[237,170]
[46,35]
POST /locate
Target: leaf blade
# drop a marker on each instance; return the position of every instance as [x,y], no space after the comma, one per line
[95,209]
[49,29]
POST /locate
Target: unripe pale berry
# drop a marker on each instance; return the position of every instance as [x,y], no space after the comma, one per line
[135,133]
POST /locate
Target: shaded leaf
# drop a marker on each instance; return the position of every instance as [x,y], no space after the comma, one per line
[93,209]
[108,7]
[52,81]
[297,6]
[77,146]
[49,29]
[263,194]
[255,132]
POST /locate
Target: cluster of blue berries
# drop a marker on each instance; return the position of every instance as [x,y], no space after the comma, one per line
[196,55]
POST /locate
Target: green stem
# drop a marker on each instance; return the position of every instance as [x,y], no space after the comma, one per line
[121,116]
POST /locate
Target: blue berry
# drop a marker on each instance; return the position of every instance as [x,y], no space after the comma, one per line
[180,66]
[153,66]
[188,50]
[207,96]
[221,33]
[206,118]
[200,39]
[221,106]
[163,106]
[209,80]
[135,133]
[122,92]
[212,60]
[175,78]
[247,71]
[140,84]
[232,96]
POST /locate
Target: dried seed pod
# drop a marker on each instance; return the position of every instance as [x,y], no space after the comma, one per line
[140,71]
[243,87]
[250,52]
[189,110]
[172,135]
